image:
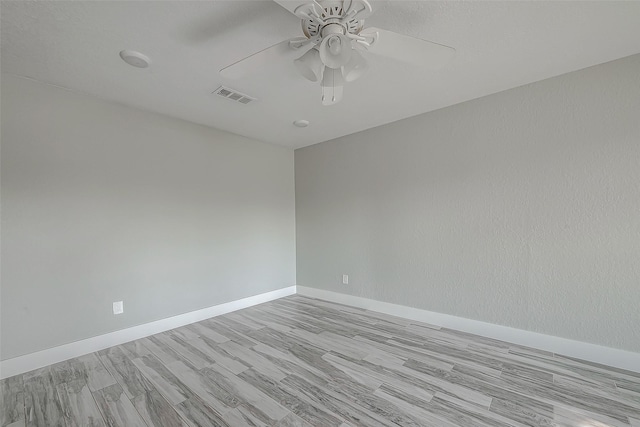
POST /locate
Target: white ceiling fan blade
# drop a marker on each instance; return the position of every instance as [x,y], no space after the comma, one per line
[410,50]
[292,5]
[258,61]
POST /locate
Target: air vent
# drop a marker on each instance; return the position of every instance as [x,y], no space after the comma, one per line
[233,95]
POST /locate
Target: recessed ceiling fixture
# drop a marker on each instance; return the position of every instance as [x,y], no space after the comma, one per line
[301,123]
[335,45]
[135,59]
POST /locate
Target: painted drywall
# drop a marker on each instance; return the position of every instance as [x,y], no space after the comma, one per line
[520,209]
[102,203]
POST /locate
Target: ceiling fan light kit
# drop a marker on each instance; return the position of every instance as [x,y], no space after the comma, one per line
[355,68]
[310,65]
[335,31]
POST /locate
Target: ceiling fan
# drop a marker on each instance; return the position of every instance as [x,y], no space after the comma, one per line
[333,43]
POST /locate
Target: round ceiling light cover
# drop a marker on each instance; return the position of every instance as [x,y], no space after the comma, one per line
[135,59]
[301,123]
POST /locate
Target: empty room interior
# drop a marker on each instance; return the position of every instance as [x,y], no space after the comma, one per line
[320,213]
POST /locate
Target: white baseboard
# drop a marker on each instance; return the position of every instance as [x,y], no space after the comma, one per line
[28,362]
[590,352]
[581,350]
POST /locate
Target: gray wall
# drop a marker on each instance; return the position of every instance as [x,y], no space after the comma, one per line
[101,203]
[520,209]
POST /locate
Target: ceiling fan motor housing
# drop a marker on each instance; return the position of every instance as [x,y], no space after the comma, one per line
[332,13]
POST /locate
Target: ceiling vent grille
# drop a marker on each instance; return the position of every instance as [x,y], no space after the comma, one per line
[233,95]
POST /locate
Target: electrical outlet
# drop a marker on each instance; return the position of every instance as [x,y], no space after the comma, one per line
[118,307]
[345,279]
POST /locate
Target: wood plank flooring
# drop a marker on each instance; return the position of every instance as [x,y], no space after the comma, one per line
[303,362]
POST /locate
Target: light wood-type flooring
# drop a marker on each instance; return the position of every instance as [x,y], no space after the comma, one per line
[303,362]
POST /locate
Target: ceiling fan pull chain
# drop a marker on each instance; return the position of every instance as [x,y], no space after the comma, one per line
[333,85]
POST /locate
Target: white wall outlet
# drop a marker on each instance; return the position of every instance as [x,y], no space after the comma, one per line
[118,307]
[345,279]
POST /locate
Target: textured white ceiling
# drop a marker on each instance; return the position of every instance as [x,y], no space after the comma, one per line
[500,45]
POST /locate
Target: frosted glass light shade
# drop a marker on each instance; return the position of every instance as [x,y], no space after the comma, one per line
[310,65]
